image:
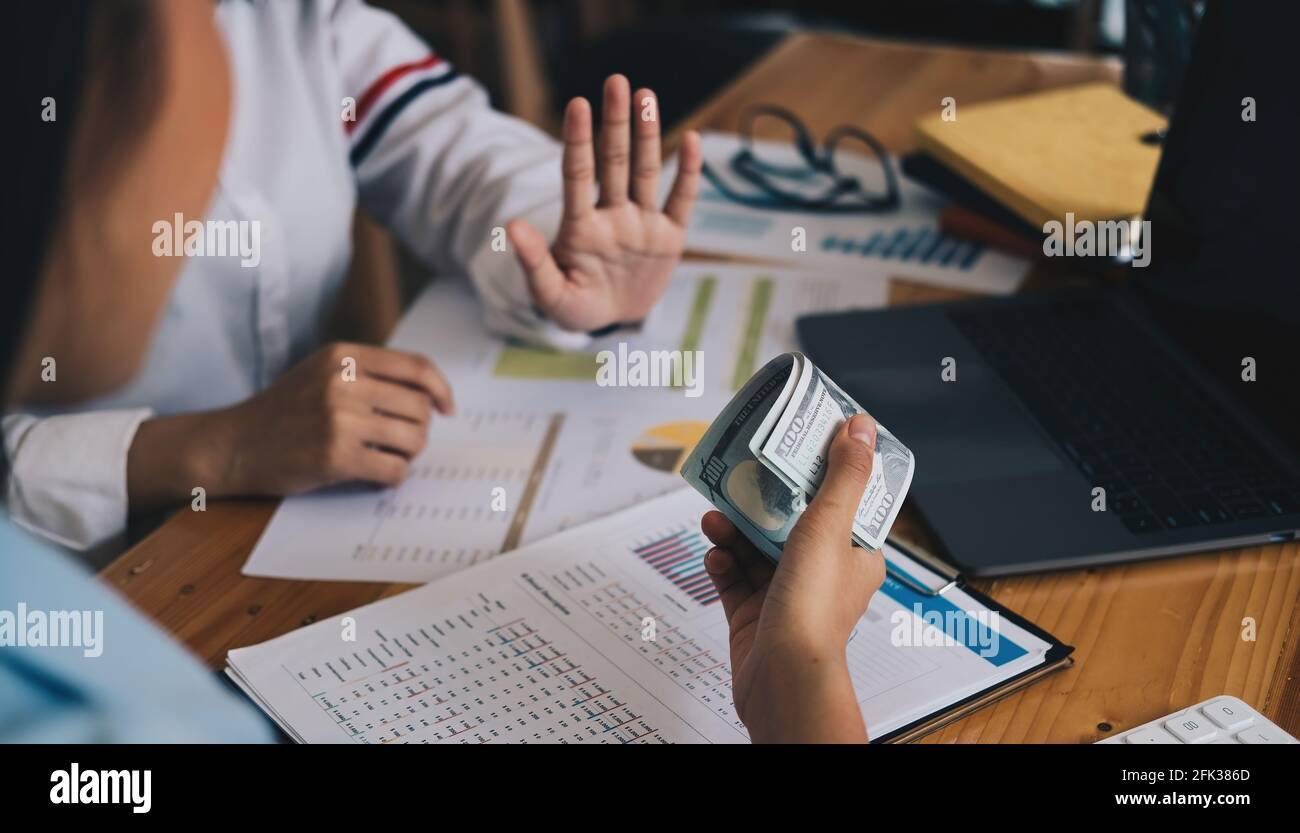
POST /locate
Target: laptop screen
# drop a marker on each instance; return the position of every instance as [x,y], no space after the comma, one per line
[1224,279]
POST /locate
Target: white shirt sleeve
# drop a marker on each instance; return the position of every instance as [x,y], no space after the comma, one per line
[442,170]
[67,474]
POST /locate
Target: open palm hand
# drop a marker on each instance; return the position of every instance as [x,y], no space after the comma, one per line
[613,256]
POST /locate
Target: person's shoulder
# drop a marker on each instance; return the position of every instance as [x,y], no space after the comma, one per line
[130,680]
[278,18]
[24,555]
[42,576]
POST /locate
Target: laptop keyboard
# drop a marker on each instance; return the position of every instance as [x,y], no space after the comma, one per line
[1131,420]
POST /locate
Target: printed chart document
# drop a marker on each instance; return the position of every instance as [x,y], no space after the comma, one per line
[606,633]
[487,482]
[906,242]
[450,512]
[738,317]
[539,446]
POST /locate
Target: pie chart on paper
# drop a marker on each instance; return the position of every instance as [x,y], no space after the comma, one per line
[664,447]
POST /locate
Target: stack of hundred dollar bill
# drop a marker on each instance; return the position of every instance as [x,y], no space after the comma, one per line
[764,457]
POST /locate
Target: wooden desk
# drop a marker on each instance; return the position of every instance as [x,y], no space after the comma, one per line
[1150,638]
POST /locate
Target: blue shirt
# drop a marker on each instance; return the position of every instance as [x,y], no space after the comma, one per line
[116,678]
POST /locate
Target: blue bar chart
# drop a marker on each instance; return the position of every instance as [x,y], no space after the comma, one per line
[909,245]
[679,557]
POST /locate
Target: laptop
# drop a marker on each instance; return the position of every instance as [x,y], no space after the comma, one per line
[1107,424]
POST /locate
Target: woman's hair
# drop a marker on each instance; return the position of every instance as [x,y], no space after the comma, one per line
[85,73]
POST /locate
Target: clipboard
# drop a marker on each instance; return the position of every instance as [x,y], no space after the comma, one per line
[1057,658]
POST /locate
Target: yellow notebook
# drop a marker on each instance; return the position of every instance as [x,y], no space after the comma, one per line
[1074,149]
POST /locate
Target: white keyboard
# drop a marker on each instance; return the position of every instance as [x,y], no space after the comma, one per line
[1218,720]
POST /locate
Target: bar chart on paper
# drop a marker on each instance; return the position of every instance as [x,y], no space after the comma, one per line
[579,639]
[489,451]
[905,242]
[686,303]
[732,316]
[467,497]
[679,557]
[922,244]
[555,652]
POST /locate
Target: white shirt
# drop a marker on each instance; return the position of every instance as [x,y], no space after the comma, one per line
[425,154]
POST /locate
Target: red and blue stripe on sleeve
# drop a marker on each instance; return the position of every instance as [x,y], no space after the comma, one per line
[386,98]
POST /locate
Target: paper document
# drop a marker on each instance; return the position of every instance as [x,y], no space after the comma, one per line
[443,518]
[538,446]
[738,317]
[607,633]
[905,242]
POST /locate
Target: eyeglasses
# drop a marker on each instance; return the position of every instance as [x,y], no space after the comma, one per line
[817,185]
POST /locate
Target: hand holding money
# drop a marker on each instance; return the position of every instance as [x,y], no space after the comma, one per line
[788,624]
[764,457]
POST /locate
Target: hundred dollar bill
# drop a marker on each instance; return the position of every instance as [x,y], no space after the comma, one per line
[764,457]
